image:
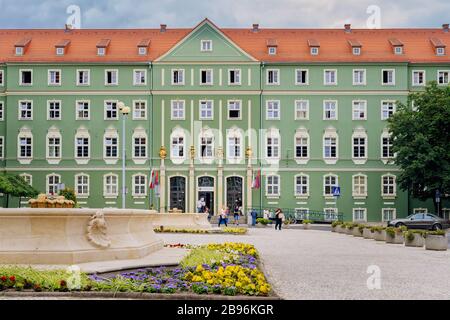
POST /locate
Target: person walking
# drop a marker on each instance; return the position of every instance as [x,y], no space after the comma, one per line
[279,217]
[223,217]
[236,213]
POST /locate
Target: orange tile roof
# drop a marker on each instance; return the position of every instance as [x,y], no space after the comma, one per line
[293,44]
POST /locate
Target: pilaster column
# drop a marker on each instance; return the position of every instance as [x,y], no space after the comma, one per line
[249,178]
[220,191]
[191,192]
[162,180]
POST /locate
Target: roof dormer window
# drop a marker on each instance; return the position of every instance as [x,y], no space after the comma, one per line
[272,50]
[272,46]
[439,46]
[206,45]
[356,47]
[21,46]
[102,46]
[61,47]
[143,47]
[314,46]
[440,51]
[398,50]
[19,51]
[356,51]
[59,51]
[397,45]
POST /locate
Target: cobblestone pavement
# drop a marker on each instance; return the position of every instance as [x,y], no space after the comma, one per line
[312,264]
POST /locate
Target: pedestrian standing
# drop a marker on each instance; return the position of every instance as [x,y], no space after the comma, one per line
[223,217]
[236,212]
[254,215]
[279,217]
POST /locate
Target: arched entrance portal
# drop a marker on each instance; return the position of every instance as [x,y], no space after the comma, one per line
[177,198]
[206,191]
[234,191]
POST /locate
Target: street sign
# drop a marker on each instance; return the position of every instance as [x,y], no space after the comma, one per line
[336,191]
[438,196]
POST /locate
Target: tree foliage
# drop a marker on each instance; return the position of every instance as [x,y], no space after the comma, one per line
[69,194]
[421,140]
[16,186]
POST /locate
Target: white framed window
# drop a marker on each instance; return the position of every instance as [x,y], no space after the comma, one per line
[418,78]
[54,77]
[142,51]
[273,77]
[111,77]
[83,110]
[83,77]
[177,110]
[356,51]
[234,109]
[330,77]
[206,45]
[329,182]
[359,189]
[301,185]
[2,78]
[330,110]
[234,77]
[60,51]
[110,185]
[140,77]
[53,182]
[359,214]
[111,147]
[206,77]
[420,210]
[82,146]
[25,110]
[359,110]
[301,77]
[359,77]
[302,213]
[2,147]
[398,49]
[443,77]
[234,147]
[359,146]
[54,110]
[301,109]
[388,186]
[111,110]
[388,214]
[273,185]
[26,77]
[388,77]
[139,145]
[314,51]
[440,51]
[27,177]
[273,110]
[331,214]
[2,111]
[301,145]
[386,146]
[54,142]
[388,108]
[272,51]
[82,185]
[206,110]
[177,76]
[101,51]
[19,51]
[206,145]
[25,145]
[330,147]
[273,142]
[178,144]
[140,110]
[139,185]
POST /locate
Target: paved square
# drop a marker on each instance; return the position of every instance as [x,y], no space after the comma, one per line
[312,264]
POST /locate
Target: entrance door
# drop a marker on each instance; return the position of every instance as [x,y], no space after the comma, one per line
[234,192]
[177,193]
[206,191]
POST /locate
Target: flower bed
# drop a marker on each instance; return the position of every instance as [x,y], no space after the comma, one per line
[228,230]
[220,269]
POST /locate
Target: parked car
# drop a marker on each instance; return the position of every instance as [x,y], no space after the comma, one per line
[425,221]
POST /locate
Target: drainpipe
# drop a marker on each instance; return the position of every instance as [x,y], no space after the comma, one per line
[261,111]
[150,146]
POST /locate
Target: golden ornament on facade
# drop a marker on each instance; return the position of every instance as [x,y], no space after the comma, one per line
[162,152]
[192,151]
[219,152]
[248,153]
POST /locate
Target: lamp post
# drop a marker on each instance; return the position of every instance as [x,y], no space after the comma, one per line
[124,110]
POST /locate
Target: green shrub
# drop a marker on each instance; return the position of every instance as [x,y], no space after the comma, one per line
[263,221]
[334,224]
[69,194]
[361,228]
[307,221]
[376,229]
[435,233]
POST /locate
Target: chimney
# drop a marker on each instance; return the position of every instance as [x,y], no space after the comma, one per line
[255,27]
[445,27]
[163,28]
[348,27]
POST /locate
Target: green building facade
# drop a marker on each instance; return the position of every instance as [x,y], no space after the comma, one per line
[208,118]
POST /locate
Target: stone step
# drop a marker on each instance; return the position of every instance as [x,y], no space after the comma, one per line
[242,220]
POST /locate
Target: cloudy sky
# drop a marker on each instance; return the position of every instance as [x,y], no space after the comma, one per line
[225,13]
